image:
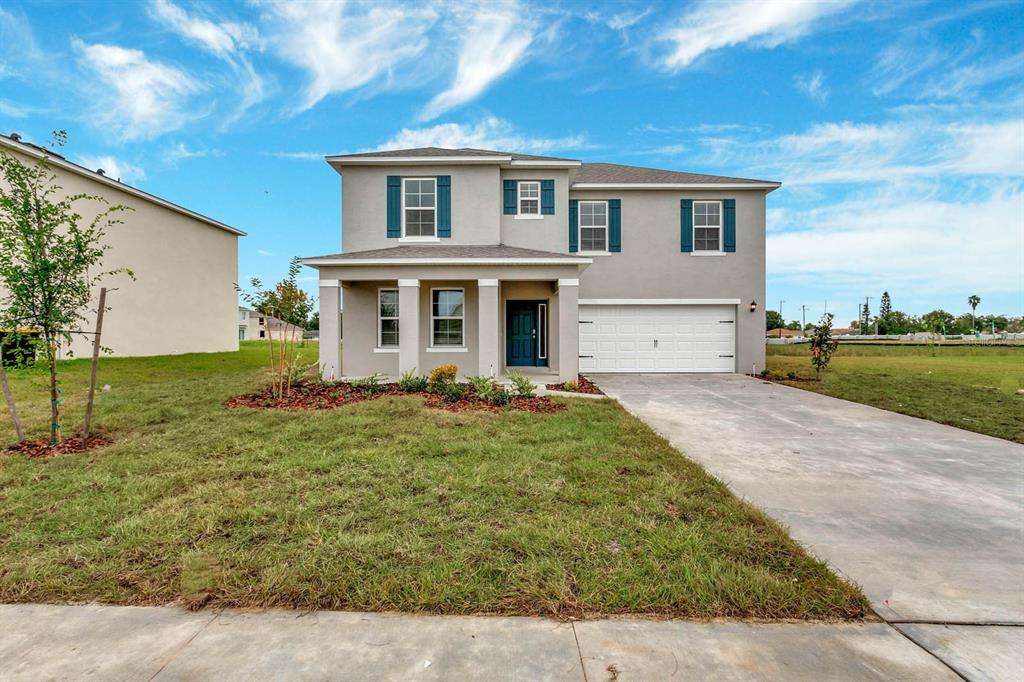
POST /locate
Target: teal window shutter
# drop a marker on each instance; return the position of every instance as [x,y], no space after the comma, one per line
[547,197]
[394,206]
[444,206]
[614,225]
[510,197]
[574,205]
[686,225]
[729,238]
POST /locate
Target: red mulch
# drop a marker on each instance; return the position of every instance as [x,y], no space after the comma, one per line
[783,379]
[584,385]
[42,448]
[322,396]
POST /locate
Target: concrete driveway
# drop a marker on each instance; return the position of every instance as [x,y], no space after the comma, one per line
[927,518]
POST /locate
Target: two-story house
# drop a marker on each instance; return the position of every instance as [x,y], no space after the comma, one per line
[493,260]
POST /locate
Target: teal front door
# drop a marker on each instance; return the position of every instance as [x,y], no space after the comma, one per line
[521,334]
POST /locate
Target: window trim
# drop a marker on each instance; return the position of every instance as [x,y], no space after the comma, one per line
[416,237]
[721,229]
[461,347]
[380,327]
[520,199]
[580,226]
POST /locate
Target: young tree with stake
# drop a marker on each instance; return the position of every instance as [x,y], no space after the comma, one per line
[50,260]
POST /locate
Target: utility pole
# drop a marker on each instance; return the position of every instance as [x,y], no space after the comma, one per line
[803,318]
[783,319]
[867,311]
[860,318]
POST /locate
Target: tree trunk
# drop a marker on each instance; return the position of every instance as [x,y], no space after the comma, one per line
[10,403]
[95,359]
[51,360]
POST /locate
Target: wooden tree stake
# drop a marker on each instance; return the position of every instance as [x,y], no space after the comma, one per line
[10,403]
[95,359]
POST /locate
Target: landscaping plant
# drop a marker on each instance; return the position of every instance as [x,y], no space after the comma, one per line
[369,385]
[521,383]
[51,257]
[483,386]
[823,346]
[570,386]
[411,383]
[441,377]
[289,304]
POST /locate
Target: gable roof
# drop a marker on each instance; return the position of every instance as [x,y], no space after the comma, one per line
[614,173]
[443,152]
[58,161]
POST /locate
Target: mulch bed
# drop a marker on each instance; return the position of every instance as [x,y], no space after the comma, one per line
[783,379]
[41,447]
[584,385]
[322,396]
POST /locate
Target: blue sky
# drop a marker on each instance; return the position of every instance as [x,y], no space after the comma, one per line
[896,128]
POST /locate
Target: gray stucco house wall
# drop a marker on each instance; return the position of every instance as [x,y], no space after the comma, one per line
[643,300]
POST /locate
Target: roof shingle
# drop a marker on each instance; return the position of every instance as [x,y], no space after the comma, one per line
[616,173]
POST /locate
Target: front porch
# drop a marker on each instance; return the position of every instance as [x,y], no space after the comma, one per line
[484,314]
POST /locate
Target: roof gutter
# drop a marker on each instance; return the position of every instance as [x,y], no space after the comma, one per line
[110,182]
[317,262]
[769,186]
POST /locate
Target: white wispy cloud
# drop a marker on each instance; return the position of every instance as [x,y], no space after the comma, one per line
[813,85]
[624,20]
[495,39]
[113,168]
[136,97]
[264,252]
[180,152]
[227,40]
[16,110]
[713,25]
[345,46]
[297,156]
[489,133]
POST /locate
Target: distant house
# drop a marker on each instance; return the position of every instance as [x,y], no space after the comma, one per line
[255,326]
[785,333]
[185,266]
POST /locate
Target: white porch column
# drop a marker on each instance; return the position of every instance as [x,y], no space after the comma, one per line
[330,328]
[408,324]
[568,329]
[489,329]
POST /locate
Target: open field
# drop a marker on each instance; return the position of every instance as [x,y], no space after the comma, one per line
[382,505]
[969,387]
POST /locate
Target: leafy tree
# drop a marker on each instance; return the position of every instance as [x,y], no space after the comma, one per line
[938,321]
[289,304]
[794,325]
[885,305]
[823,346]
[974,301]
[50,260]
[314,322]
[773,320]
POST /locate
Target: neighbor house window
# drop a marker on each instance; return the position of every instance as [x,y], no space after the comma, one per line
[447,315]
[707,226]
[529,197]
[387,318]
[593,225]
[419,206]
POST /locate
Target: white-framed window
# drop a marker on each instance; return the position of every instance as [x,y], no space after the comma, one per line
[447,317]
[419,207]
[593,225]
[707,226]
[529,197]
[387,318]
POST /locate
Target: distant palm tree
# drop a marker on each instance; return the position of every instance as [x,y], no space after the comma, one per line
[974,301]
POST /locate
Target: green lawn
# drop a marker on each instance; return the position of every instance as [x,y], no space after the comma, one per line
[973,388]
[382,505]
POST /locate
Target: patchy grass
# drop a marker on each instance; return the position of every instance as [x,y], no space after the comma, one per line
[973,388]
[382,505]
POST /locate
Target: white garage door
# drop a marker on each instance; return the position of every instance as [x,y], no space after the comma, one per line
[657,338]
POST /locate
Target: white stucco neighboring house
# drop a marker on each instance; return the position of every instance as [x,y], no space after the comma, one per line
[255,326]
[183,298]
[494,260]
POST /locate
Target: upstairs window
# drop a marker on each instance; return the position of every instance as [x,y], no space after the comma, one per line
[707,226]
[419,207]
[529,197]
[593,226]
[387,316]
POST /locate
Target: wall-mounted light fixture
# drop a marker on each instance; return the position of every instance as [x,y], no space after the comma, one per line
[753,306]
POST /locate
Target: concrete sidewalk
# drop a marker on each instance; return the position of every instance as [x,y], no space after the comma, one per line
[164,643]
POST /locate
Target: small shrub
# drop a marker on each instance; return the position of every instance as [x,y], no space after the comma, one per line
[452,392]
[501,397]
[483,386]
[823,346]
[370,384]
[410,382]
[570,386]
[442,376]
[765,373]
[521,384]
[791,376]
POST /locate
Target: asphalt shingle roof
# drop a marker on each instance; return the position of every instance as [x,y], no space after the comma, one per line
[614,172]
[447,251]
[463,151]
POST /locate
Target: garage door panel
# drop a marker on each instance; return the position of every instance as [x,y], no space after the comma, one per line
[656,338]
